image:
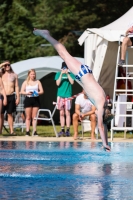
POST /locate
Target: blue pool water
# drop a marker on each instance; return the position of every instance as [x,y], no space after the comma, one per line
[65,171]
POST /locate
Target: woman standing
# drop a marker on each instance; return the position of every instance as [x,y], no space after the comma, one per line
[32,88]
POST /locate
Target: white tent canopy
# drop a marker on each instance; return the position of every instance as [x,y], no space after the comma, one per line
[101,47]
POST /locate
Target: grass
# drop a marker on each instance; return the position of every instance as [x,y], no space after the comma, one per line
[47,131]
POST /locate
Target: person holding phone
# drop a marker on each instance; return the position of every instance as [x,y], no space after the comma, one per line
[32,88]
[64,81]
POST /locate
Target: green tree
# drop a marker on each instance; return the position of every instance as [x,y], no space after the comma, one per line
[15,32]
[65,19]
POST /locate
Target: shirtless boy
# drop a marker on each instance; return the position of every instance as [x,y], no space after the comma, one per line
[10,82]
[83,73]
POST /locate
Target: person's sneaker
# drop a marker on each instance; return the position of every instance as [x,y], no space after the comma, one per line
[27,133]
[35,134]
[67,133]
[61,133]
[121,63]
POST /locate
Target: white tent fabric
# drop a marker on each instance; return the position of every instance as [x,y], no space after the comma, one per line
[101,47]
[120,109]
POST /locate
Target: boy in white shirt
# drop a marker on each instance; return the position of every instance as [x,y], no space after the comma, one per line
[84,109]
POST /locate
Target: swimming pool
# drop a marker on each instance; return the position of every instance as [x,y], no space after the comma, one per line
[65,171]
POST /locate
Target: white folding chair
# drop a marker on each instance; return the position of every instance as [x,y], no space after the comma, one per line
[86,126]
[50,118]
[18,122]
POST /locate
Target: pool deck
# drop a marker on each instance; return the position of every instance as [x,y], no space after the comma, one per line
[60,139]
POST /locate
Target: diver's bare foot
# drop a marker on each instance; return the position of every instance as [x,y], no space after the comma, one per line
[42,33]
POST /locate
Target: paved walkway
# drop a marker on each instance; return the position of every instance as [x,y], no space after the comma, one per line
[54,139]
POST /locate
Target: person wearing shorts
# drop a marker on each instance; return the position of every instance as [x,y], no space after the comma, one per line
[84,109]
[64,81]
[10,82]
[31,88]
[127,41]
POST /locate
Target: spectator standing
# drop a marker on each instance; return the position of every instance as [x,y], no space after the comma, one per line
[10,82]
[64,81]
[31,88]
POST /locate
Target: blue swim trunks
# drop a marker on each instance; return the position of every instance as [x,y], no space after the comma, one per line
[84,70]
